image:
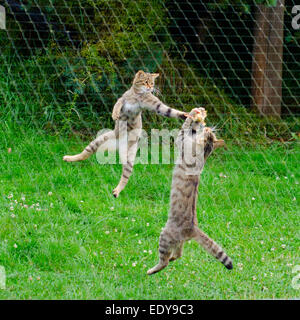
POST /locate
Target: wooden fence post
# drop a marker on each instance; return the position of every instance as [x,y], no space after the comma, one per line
[267,59]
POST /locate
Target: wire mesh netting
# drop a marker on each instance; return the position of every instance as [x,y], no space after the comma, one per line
[64,64]
[67,62]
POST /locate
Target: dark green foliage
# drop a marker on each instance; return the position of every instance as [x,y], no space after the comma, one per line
[73,81]
[69,79]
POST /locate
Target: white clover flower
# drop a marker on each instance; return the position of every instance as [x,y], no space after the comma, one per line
[50,193]
[15,246]
[265,288]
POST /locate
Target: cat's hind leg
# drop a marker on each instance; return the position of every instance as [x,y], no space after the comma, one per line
[166,247]
[212,247]
[177,252]
[127,166]
[92,147]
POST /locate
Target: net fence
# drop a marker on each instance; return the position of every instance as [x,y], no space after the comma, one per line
[64,64]
[67,62]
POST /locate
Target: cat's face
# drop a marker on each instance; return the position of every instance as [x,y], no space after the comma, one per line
[144,82]
[210,138]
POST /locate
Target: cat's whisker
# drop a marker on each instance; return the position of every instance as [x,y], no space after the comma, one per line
[157,91]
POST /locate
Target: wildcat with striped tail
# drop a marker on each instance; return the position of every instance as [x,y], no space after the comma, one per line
[195,143]
[127,114]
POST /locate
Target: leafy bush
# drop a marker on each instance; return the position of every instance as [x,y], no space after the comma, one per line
[71,77]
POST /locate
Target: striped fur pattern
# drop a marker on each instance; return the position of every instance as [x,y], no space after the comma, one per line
[182,224]
[128,122]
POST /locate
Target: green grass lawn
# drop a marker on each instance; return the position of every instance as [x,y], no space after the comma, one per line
[81,243]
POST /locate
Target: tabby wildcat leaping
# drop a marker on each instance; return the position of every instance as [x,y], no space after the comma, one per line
[128,121]
[195,144]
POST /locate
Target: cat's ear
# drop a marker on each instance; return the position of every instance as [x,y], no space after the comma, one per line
[140,73]
[154,75]
[219,144]
[138,76]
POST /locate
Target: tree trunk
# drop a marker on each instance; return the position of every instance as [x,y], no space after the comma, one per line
[267,59]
